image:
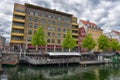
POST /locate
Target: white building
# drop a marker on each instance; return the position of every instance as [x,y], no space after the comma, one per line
[114,35]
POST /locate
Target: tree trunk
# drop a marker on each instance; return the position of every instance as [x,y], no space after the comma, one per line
[36,49]
[69,50]
[42,50]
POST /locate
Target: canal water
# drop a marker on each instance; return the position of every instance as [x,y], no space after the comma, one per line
[27,72]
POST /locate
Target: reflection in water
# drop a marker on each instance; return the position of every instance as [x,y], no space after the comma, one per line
[22,72]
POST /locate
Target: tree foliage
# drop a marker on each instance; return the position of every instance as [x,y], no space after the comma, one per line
[38,39]
[88,42]
[114,45]
[103,42]
[69,42]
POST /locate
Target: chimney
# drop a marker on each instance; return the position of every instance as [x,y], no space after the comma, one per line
[88,20]
[54,9]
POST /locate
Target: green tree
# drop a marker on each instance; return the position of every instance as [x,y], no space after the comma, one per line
[103,43]
[114,45]
[38,39]
[88,42]
[69,42]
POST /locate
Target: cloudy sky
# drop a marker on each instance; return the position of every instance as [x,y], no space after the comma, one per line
[105,13]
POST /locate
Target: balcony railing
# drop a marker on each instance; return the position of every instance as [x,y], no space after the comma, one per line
[19,20]
[19,13]
[18,27]
[16,41]
[76,29]
[75,34]
[17,34]
[76,24]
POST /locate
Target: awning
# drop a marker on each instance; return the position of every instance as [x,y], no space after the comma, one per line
[64,53]
[106,55]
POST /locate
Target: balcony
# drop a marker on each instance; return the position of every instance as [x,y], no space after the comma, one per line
[17,34]
[75,29]
[18,27]
[76,39]
[76,24]
[16,41]
[19,20]
[74,34]
[77,45]
[19,13]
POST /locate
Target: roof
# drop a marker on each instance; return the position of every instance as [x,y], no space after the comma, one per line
[85,53]
[64,53]
[87,22]
[82,28]
[107,55]
[116,32]
[47,9]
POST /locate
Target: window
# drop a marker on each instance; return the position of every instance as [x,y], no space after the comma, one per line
[53,40]
[49,16]
[31,13]
[36,13]
[19,17]
[53,34]
[48,40]
[68,20]
[59,29]
[30,25]
[64,35]
[53,22]
[30,32]
[29,38]
[59,24]
[18,10]
[49,21]
[30,19]
[43,15]
[53,17]
[59,41]
[18,24]
[49,27]
[48,33]
[35,26]
[17,38]
[17,31]
[43,21]
[59,18]
[64,30]
[53,28]
[59,35]
[74,27]
[36,20]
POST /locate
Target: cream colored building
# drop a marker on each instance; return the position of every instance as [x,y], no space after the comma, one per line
[93,29]
[27,18]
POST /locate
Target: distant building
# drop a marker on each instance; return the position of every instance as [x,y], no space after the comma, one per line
[27,18]
[113,35]
[93,29]
[81,35]
[2,41]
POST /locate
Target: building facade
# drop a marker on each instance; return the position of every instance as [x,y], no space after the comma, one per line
[27,18]
[113,35]
[82,34]
[2,41]
[93,29]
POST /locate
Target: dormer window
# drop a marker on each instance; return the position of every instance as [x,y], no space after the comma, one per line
[88,25]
